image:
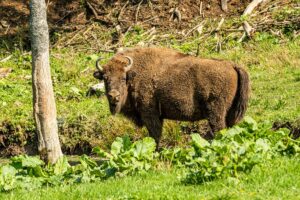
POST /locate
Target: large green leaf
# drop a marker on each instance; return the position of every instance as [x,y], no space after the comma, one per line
[144,148]
[198,141]
[61,166]
[117,146]
[26,161]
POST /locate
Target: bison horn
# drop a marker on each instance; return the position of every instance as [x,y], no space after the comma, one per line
[127,68]
[98,66]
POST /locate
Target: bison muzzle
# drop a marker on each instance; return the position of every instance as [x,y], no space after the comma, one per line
[149,85]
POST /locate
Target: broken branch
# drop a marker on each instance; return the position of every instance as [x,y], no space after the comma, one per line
[224,5]
[137,11]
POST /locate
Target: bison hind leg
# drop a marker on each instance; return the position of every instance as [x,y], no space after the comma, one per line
[217,121]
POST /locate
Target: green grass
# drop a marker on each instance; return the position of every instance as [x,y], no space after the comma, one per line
[276,179]
[86,121]
[274,68]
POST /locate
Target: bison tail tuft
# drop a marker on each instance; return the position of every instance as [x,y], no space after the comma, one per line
[240,102]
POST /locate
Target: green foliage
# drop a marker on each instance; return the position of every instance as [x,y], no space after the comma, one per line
[85,122]
[233,151]
[125,158]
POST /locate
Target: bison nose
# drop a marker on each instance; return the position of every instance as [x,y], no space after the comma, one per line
[114,95]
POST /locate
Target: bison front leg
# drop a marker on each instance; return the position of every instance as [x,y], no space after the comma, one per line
[154,125]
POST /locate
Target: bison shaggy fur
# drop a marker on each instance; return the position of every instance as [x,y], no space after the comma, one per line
[149,85]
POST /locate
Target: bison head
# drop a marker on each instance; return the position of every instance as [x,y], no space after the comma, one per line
[114,74]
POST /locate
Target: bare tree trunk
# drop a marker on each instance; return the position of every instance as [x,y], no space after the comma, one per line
[44,108]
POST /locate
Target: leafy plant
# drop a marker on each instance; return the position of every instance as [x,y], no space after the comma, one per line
[233,151]
[124,158]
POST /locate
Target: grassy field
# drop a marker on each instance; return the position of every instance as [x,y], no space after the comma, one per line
[85,122]
[277,179]
[274,70]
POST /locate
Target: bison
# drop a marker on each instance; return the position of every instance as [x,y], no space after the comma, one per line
[149,85]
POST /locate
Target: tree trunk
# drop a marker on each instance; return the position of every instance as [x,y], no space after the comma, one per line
[44,108]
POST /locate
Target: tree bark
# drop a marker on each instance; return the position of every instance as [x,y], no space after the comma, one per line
[44,108]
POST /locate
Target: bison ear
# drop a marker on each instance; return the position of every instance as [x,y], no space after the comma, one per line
[98,75]
[130,75]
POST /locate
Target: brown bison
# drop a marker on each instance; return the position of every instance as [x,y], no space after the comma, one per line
[148,85]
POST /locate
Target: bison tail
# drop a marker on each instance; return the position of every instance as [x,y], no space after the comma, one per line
[240,102]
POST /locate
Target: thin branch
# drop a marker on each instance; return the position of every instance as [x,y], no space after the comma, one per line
[93,9]
[252,6]
[201,9]
[137,11]
[220,24]
[224,5]
[121,11]
[6,59]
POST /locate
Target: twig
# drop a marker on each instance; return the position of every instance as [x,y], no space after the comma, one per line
[93,10]
[224,5]
[152,18]
[219,45]
[150,31]
[242,38]
[74,36]
[201,9]
[47,5]
[121,11]
[152,38]
[194,28]
[6,31]
[248,29]
[88,29]
[175,14]
[137,11]
[251,6]
[106,50]
[220,24]
[178,14]
[6,59]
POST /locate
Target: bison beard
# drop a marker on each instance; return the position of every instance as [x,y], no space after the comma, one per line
[149,85]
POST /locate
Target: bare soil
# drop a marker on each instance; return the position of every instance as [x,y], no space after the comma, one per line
[14,14]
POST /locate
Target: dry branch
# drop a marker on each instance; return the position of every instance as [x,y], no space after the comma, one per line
[137,11]
[175,14]
[220,24]
[249,9]
[92,8]
[121,11]
[148,20]
[224,5]
[201,9]
[252,6]
[247,28]
[197,27]
[6,59]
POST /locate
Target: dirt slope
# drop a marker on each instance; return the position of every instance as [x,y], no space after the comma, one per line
[14,14]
